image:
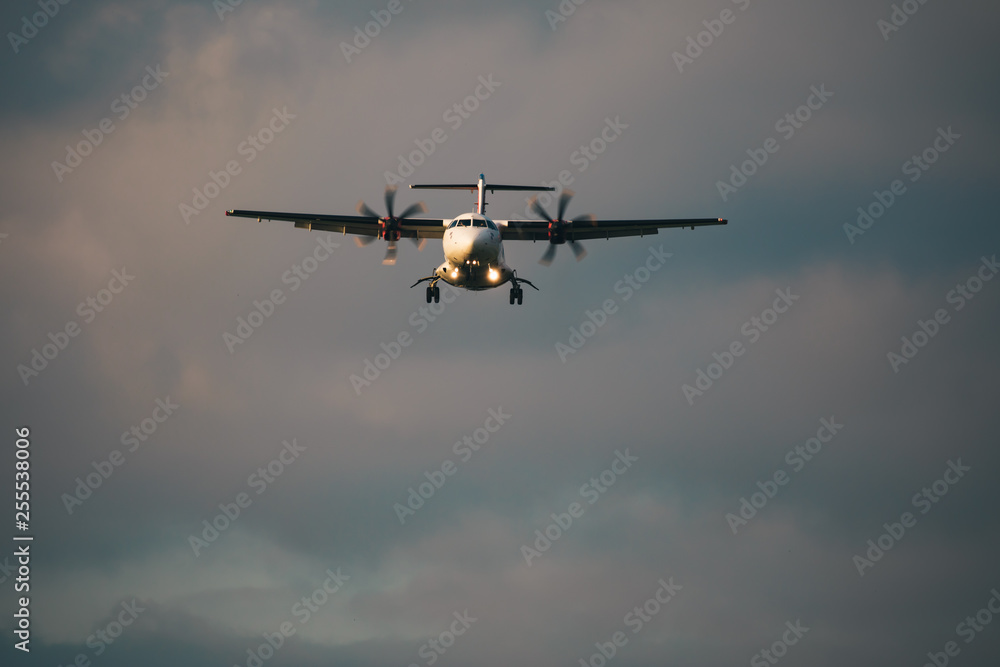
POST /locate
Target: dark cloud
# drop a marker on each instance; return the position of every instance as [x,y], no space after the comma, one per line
[161,337]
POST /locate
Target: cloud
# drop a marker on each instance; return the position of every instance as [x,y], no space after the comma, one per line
[825,357]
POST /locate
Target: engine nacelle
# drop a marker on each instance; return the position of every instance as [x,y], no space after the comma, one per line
[557,232]
[390,229]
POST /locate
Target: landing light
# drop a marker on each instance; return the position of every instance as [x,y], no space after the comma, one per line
[494,275]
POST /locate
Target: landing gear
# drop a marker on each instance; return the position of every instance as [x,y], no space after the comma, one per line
[516,293]
[433,291]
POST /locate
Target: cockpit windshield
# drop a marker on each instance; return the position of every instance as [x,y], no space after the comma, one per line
[471,222]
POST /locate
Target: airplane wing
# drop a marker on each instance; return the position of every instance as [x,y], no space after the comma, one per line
[361,225]
[580,230]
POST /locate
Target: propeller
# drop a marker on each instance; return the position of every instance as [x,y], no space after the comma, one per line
[558,228]
[389,226]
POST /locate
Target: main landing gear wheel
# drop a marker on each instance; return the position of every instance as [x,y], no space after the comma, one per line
[433,291]
[516,292]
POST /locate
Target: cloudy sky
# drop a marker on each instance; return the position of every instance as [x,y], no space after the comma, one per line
[778,446]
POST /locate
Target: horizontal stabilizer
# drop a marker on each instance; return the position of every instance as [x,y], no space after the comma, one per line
[489,186]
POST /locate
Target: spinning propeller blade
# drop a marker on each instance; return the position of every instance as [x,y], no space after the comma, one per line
[559,227]
[390,224]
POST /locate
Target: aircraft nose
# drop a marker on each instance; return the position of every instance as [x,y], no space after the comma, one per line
[485,245]
[476,243]
[481,241]
[465,243]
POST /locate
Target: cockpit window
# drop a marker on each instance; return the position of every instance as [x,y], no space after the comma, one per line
[472,222]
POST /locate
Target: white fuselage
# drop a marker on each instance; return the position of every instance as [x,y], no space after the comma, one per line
[473,253]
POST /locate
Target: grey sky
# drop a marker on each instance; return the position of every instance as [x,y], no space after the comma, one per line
[63,234]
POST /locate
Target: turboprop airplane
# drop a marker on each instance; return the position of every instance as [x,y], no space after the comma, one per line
[472,242]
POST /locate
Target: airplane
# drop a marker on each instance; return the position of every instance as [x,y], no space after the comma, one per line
[473,243]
